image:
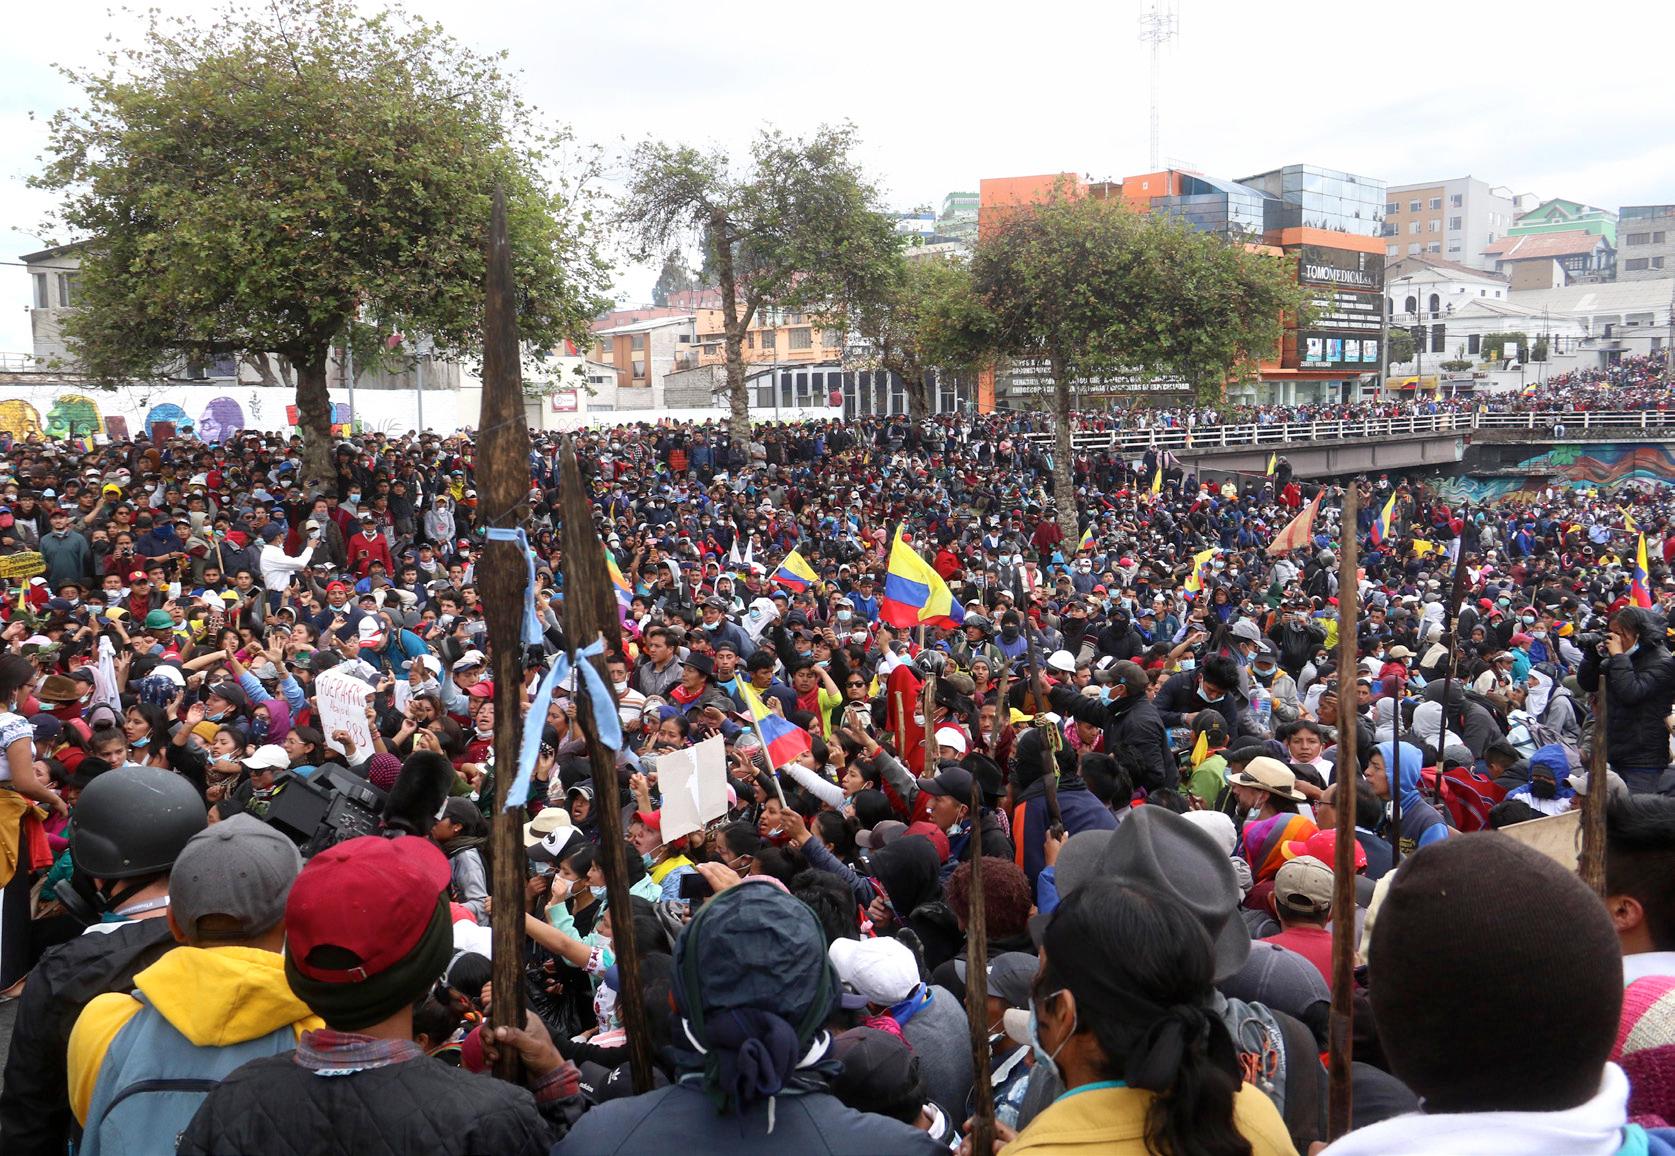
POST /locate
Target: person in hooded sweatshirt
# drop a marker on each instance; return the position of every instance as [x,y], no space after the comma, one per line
[1421,823]
[1493,1078]
[202,1009]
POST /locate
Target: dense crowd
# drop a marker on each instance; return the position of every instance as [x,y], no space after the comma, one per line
[222,884]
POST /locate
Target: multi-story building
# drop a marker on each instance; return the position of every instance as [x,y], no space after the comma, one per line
[958,219]
[1646,242]
[775,335]
[1452,219]
[1549,260]
[1561,216]
[1422,294]
[1324,220]
[642,354]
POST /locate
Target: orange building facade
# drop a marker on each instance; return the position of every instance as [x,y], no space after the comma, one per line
[1327,222]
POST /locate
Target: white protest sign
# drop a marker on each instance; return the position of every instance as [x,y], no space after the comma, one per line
[694,787]
[342,698]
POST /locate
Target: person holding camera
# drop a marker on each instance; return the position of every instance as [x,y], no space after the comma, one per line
[1639,674]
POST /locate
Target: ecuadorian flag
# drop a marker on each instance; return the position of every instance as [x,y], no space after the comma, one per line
[1640,591]
[794,573]
[915,593]
[1087,540]
[1381,524]
[784,740]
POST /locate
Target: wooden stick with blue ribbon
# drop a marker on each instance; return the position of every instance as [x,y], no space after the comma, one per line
[590,613]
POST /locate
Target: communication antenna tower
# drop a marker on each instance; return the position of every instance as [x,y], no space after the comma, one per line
[1159,24]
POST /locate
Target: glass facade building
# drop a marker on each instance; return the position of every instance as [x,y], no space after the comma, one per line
[1309,196]
[1214,206]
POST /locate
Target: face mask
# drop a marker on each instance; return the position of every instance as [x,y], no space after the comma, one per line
[354,497]
[1529,620]
[1042,1055]
[1188,664]
[1263,676]
[1211,701]
[259,729]
[845,615]
[561,887]
[649,860]
[145,742]
[216,717]
[598,892]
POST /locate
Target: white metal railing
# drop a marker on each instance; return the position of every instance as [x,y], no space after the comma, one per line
[1349,429]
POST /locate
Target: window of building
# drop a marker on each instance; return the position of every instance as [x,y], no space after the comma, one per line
[639,369]
[1439,339]
[1436,304]
[1408,306]
[637,342]
[41,298]
[1635,264]
[770,338]
[1657,238]
[750,340]
[1392,206]
[802,338]
[1436,202]
[1639,238]
[1413,249]
[1413,226]
[685,339]
[1391,251]
[1657,262]
[1454,248]
[1455,224]
[1388,229]
[1413,206]
[1434,225]
[1455,200]
[66,290]
[1474,344]
[1434,247]
[832,338]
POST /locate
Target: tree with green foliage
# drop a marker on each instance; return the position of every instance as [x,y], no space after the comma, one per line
[799,227]
[928,317]
[1090,290]
[1400,347]
[675,277]
[287,182]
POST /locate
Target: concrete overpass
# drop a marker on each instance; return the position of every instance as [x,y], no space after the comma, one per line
[1451,442]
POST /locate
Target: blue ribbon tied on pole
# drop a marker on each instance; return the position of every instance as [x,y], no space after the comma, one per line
[532,632]
[599,697]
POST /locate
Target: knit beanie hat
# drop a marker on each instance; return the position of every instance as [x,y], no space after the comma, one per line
[1462,922]
[1646,1049]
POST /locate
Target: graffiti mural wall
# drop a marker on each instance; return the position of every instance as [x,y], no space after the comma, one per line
[1606,464]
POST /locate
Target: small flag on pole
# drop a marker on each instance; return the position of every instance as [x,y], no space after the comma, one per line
[1273,464]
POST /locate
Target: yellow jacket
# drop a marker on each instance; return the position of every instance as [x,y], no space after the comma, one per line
[214,996]
[1112,1122]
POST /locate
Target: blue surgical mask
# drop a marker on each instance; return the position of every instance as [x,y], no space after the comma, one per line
[1211,701]
[145,742]
[598,892]
[1042,1055]
[649,860]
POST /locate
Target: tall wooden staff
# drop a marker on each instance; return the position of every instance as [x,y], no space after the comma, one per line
[1343,847]
[589,613]
[927,706]
[1591,866]
[977,986]
[503,480]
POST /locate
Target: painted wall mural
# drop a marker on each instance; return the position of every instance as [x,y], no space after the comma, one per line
[222,418]
[19,419]
[1608,464]
[74,415]
[169,412]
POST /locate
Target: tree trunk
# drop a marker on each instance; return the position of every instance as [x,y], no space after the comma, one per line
[314,419]
[918,395]
[733,326]
[1064,456]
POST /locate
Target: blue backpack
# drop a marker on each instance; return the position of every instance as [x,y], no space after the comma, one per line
[153,1080]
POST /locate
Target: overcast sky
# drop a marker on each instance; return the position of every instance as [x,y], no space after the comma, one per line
[945,94]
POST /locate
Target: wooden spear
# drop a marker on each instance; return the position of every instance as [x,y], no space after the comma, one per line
[589,613]
[503,483]
[976,984]
[1591,866]
[1343,849]
[927,706]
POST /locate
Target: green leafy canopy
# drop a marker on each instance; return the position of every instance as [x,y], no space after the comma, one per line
[270,180]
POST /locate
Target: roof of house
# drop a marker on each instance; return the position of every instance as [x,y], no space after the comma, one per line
[645,325]
[48,254]
[1535,246]
[1651,296]
[1418,261]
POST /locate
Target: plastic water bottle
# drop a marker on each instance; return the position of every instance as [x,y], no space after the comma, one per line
[1262,708]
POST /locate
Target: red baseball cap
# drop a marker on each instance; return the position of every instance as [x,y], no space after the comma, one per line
[937,836]
[1322,845]
[343,586]
[372,897]
[651,819]
[138,576]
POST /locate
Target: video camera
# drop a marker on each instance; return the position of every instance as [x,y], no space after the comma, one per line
[332,805]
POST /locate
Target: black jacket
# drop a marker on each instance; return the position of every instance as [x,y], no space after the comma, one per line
[1640,688]
[35,1117]
[274,1106]
[1132,725]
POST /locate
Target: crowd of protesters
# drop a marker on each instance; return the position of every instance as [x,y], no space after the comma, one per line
[1150,710]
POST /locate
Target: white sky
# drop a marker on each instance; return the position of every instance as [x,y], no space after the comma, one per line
[948,93]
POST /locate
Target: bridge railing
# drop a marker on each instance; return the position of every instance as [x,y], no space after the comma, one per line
[1276,434]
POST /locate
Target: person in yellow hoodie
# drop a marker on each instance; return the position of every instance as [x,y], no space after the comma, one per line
[1120,1008]
[140,1064]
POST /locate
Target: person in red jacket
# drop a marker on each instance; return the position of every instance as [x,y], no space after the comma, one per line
[368,547]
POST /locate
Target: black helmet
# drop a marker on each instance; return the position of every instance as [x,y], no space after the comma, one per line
[133,821]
